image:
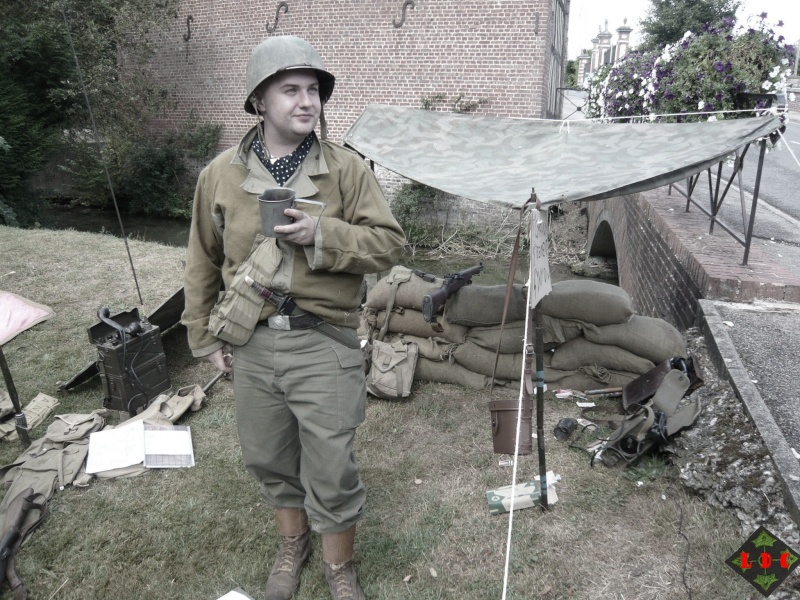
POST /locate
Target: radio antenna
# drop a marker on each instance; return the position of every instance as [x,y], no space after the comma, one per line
[102,156]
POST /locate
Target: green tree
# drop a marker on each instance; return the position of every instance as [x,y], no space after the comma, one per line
[668,20]
[43,108]
[571,80]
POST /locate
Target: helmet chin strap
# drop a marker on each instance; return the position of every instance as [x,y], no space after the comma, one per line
[323,123]
[260,127]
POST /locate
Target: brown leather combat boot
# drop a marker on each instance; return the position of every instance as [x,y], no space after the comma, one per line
[292,554]
[340,572]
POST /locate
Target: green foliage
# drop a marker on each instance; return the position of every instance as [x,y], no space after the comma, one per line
[458,105]
[150,174]
[410,206]
[41,91]
[201,141]
[667,20]
[695,77]
[571,78]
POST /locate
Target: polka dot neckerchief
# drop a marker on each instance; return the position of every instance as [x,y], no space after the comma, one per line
[283,168]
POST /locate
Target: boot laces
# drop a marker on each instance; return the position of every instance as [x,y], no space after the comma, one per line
[290,548]
[341,581]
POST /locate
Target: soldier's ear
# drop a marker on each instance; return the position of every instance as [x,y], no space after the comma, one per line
[258,103]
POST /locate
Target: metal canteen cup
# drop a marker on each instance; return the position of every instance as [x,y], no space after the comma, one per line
[272,203]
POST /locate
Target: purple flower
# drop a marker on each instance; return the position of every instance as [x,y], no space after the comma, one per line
[669,95]
[718,96]
[729,38]
[709,106]
[728,22]
[780,23]
[763,16]
[719,66]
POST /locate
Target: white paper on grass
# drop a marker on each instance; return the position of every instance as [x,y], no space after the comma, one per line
[116,448]
[136,443]
[168,447]
[236,594]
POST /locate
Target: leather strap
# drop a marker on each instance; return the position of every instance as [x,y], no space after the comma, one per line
[303,321]
[512,269]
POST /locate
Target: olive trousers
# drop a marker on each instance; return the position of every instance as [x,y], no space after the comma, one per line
[299,397]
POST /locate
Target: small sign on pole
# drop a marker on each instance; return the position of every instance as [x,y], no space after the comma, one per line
[540,265]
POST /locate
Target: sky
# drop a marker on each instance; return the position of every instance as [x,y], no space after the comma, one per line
[586,16]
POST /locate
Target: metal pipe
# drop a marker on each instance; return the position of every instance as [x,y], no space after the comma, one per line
[19,416]
[539,349]
[749,233]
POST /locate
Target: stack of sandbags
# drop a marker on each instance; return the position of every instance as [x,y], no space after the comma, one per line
[592,337]
[616,345]
[405,321]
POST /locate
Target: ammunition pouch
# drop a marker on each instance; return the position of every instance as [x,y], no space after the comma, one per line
[392,369]
[233,319]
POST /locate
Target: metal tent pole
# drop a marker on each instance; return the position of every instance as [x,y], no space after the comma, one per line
[19,416]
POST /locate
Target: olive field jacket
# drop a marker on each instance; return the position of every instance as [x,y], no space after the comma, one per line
[356,234]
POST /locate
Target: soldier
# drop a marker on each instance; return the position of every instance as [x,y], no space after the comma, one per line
[299,382]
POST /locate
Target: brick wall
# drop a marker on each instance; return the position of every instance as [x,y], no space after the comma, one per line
[668,260]
[477,49]
[652,268]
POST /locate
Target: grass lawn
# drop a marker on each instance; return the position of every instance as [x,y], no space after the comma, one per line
[427,463]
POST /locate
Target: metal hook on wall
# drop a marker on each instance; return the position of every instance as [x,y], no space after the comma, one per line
[188,35]
[406,4]
[281,6]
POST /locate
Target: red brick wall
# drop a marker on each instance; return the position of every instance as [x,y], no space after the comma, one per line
[667,259]
[479,49]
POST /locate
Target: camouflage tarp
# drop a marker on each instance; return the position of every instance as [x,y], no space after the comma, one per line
[500,160]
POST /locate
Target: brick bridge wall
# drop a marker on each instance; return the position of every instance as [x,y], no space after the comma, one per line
[667,260]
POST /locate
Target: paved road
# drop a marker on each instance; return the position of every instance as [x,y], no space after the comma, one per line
[778,212]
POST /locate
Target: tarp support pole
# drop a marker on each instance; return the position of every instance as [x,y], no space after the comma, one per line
[749,231]
[539,350]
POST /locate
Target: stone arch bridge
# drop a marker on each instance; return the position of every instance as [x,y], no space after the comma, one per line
[667,260]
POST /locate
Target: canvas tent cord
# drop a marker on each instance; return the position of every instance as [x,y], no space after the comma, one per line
[688,545]
[102,157]
[654,116]
[785,141]
[514,471]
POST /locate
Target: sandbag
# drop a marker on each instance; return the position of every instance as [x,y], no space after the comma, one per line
[584,379]
[411,322]
[580,351]
[589,301]
[649,337]
[409,293]
[481,360]
[430,348]
[556,332]
[482,305]
[512,341]
[451,372]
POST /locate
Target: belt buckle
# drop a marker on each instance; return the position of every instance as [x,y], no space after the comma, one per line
[280,322]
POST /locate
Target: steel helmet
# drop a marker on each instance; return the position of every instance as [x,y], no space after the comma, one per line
[282,53]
